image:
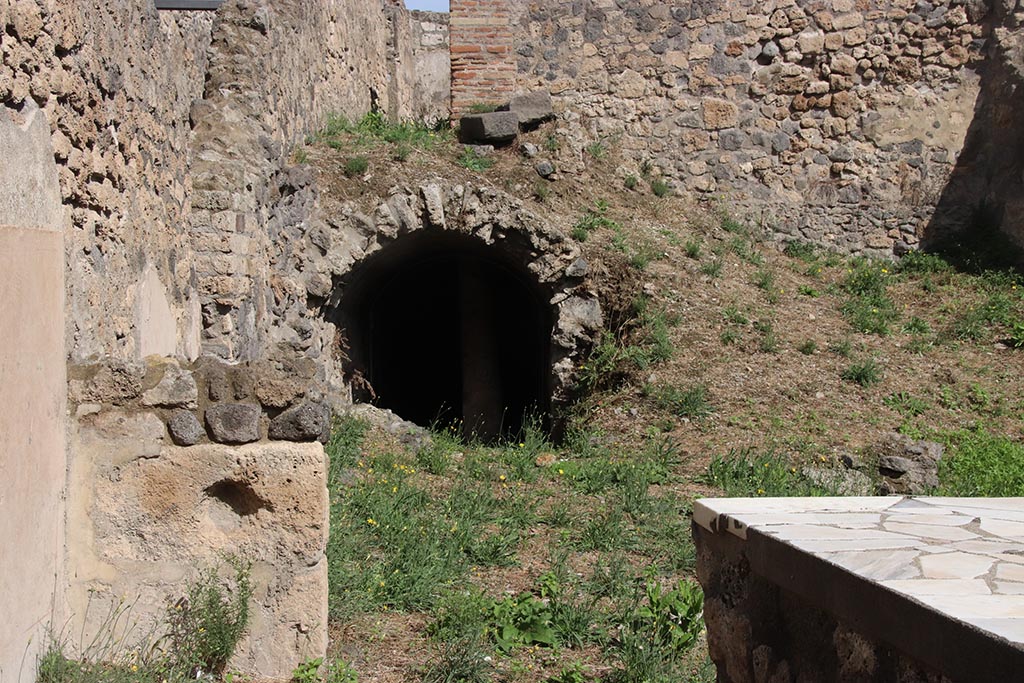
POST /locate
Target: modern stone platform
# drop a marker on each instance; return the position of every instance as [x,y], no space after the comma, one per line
[866,589]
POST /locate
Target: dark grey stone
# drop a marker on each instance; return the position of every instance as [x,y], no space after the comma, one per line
[851,194]
[233,422]
[544,168]
[842,153]
[732,139]
[304,422]
[529,150]
[579,268]
[185,429]
[494,128]
[781,142]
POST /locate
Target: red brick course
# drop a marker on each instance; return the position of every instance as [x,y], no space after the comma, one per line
[483,68]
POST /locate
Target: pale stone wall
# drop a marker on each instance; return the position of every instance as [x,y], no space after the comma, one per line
[116,80]
[32,460]
[165,137]
[827,120]
[433,77]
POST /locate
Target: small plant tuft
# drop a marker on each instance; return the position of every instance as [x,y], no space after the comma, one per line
[356,166]
[865,373]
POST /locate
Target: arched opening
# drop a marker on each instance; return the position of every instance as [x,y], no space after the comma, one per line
[443,328]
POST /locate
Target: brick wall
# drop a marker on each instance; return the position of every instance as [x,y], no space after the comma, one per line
[483,68]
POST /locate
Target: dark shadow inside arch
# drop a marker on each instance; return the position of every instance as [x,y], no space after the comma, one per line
[444,328]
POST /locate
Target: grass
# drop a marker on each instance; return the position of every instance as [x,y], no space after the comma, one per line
[868,306]
[195,638]
[403,544]
[689,402]
[747,473]
[864,373]
[982,464]
[470,159]
[356,166]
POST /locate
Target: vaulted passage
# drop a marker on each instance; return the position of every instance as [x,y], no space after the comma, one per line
[444,328]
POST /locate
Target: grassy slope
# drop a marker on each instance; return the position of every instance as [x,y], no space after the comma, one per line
[736,350]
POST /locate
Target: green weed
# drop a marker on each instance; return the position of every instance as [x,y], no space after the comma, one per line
[522,620]
[689,402]
[865,373]
[982,464]
[808,347]
[660,188]
[745,473]
[905,404]
[597,149]
[868,307]
[356,166]
[472,160]
[712,268]
[804,251]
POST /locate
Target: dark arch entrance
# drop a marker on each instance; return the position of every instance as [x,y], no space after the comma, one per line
[445,329]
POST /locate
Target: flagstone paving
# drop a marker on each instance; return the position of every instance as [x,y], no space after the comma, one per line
[961,557]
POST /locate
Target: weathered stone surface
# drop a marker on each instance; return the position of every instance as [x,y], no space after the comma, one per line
[304,422]
[176,389]
[233,423]
[908,466]
[185,428]
[544,168]
[492,128]
[113,380]
[147,530]
[278,392]
[532,108]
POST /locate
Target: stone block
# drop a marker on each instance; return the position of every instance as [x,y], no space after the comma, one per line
[305,422]
[185,428]
[493,128]
[532,108]
[176,389]
[163,517]
[233,423]
[719,114]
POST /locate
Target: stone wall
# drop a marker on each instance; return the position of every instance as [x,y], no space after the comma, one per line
[168,136]
[32,458]
[179,464]
[986,189]
[264,92]
[482,63]
[433,76]
[758,631]
[833,121]
[115,82]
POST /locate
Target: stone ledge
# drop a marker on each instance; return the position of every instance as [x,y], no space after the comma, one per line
[938,580]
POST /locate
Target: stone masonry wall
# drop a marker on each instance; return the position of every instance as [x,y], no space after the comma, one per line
[115,81]
[835,121]
[265,90]
[759,632]
[169,138]
[177,464]
[433,76]
[482,63]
